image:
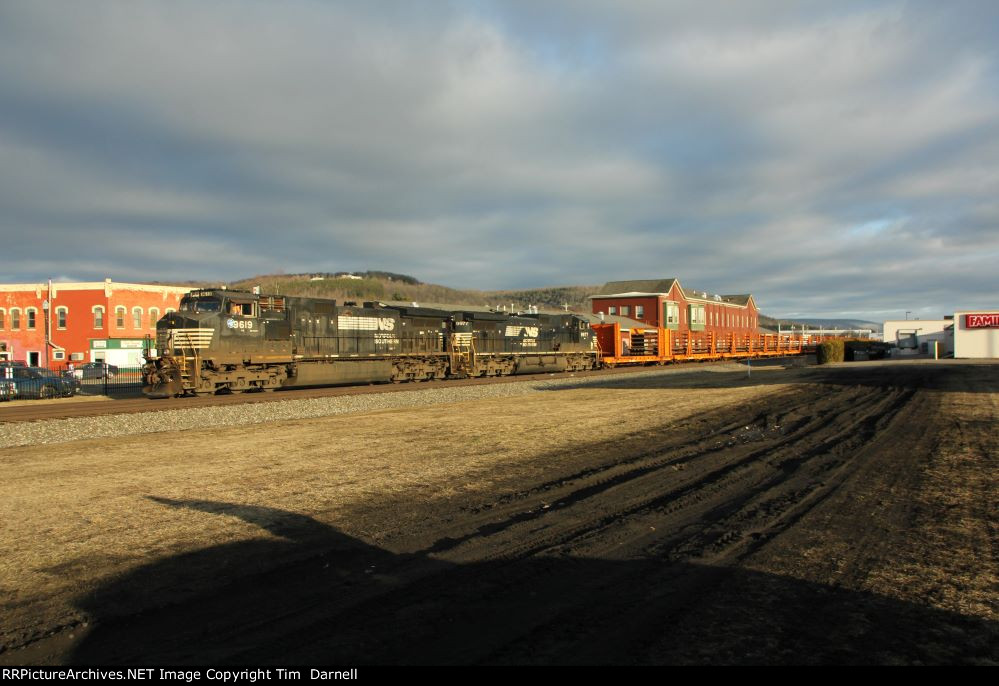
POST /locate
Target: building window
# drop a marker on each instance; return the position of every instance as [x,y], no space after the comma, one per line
[58,355]
[136,317]
[639,311]
[119,316]
[61,314]
[672,315]
[612,310]
[3,318]
[154,316]
[31,311]
[15,319]
[98,317]
[697,317]
[625,310]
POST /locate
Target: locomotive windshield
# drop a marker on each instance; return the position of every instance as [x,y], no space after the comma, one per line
[200,304]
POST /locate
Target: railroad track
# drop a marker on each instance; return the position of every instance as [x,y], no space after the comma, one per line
[68,407]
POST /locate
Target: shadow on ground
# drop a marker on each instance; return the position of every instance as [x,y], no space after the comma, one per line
[330,598]
[936,375]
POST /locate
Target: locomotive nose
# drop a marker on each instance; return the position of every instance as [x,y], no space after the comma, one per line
[178,321]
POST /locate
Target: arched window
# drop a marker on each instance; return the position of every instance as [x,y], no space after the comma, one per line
[119,317]
[32,316]
[136,317]
[154,316]
[3,317]
[98,317]
[62,314]
[15,319]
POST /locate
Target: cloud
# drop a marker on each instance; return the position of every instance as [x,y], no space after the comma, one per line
[828,158]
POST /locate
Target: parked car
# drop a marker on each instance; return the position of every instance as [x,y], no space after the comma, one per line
[70,378]
[95,370]
[39,382]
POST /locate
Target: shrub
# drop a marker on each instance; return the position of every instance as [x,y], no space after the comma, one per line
[830,351]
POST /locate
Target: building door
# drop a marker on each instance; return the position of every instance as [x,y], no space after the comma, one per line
[34,359]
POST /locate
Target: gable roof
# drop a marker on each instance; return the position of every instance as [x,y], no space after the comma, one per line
[639,286]
[742,299]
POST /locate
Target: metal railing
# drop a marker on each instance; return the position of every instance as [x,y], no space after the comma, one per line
[112,380]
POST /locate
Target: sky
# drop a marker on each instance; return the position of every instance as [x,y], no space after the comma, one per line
[832,158]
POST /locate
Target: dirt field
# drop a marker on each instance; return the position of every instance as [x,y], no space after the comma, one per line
[840,515]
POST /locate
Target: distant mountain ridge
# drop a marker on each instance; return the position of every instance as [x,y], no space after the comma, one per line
[841,323]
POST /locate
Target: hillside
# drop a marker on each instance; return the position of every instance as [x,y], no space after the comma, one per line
[384,286]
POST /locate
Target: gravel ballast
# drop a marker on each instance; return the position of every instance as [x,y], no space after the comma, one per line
[155,421]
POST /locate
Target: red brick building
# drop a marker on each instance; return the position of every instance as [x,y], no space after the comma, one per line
[663,302]
[52,324]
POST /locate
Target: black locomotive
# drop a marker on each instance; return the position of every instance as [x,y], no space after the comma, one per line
[222,341]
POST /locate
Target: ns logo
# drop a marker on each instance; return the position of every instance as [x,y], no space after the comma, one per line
[526,331]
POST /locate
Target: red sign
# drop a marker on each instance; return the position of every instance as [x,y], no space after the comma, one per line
[988,320]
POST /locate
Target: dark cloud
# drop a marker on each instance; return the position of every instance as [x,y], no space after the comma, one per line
[832,158]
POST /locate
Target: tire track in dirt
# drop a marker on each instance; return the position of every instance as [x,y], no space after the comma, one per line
[668,483]
[709,513]
[638,616]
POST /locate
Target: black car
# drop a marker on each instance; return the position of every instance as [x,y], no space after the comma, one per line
[95,370]
[39,382]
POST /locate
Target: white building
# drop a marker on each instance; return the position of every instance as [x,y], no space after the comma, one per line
[976,334]
[915,336]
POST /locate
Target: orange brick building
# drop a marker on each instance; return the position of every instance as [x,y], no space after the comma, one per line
[52,324]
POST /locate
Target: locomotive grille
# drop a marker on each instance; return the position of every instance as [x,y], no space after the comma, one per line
[197,339]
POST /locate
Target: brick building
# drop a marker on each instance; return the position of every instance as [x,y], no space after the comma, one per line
[664,302]
[52,324]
